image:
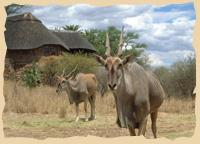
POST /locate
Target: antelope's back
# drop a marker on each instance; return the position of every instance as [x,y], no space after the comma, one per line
[89,80]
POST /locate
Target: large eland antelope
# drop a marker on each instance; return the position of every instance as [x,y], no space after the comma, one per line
[137,92]
[81,88]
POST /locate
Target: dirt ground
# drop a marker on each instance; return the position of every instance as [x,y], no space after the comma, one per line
[40,126]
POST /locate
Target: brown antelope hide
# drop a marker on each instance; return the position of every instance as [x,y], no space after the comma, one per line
[81,88]
[137,92]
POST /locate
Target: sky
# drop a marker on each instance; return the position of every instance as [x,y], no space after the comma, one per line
[166,29]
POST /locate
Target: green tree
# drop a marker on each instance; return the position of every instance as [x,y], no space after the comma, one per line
[97,38]
[74,28]
[184,76]
[179,79]
[165,78]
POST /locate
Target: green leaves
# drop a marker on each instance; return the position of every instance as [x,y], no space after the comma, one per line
[98,37]
[32,76]
[75,28]
[55,66]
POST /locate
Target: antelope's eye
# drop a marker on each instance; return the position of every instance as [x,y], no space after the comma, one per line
[63,81]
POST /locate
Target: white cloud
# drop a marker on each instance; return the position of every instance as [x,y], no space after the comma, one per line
[139,23]
[41,10]
[169,36]
[181,54]
[162,31]
[155,60]
[172,38]
[159,58]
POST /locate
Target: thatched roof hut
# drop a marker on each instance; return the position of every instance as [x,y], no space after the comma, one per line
[25,32]
[75,41]
[28,40]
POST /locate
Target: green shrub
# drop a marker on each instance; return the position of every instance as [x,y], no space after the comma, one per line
[180,78]
[49,70]
[67,62]
[31,76]
[84,63]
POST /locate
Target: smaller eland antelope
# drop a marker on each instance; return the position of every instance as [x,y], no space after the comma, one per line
[80,88]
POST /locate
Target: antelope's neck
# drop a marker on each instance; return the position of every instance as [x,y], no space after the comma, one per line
[72,83]
[125,86]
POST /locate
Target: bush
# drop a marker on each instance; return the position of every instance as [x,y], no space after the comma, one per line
[54,65]
[180,78]
[49,68]
[31,76]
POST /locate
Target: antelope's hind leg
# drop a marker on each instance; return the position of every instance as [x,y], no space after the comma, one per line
[153,123]
[77,112]
[85,108]
[92,106]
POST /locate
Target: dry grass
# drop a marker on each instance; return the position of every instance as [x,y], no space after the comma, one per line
[175,105]
[45,100]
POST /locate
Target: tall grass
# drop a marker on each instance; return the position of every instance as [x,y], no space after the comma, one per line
[45,100]
[175,105]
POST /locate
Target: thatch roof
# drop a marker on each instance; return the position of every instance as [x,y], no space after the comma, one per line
[75,41]
[27,32]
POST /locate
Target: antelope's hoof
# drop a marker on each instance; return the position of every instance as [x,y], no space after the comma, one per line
[118,123]
[92,118]
[86,119]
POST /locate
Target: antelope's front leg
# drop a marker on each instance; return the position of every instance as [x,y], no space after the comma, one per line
[77,112]
[131,130]
[85,108]
[131,124]
[142,126]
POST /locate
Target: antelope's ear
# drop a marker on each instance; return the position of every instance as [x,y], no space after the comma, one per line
[127,59]
[100,59]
